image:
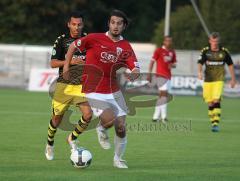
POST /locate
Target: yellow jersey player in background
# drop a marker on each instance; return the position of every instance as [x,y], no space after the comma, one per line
[68,92]
[214,57]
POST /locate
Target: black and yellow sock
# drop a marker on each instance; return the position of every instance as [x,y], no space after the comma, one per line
[51,132]
[81,126]
[216,113]
[210,113]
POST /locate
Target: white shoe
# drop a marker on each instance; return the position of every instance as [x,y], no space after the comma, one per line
[72,143]
[49,152]
[103,138]
[119,163]
[164,121]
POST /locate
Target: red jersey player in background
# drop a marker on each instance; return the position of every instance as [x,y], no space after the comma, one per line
[105,54]
[165,58]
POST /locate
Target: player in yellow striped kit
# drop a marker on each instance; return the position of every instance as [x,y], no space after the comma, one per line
[214,57]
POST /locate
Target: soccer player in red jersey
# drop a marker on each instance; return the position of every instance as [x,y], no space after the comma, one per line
[105,54]
[165,58]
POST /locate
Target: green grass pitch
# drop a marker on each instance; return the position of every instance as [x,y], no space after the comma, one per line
[186,150]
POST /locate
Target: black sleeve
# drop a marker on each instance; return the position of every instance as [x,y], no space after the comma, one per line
[202,58]
[228,59]
[57,51]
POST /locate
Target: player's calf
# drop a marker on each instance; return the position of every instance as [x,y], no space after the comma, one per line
[106,121]
[214,112]
[52,129]
[120,142]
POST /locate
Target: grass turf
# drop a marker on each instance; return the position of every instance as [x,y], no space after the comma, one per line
[185,150]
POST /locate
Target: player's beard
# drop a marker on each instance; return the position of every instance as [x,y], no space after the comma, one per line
[115,35]
[169,47]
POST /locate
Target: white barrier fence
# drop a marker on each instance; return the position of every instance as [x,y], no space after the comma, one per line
[41,79]
[18,60]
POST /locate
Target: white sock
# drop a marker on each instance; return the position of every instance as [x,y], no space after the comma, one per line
[157,112]
[163,111]
[100,127]
[120,146]
[158,108]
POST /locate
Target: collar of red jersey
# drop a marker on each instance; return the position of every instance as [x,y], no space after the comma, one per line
[163,47]
[120,38]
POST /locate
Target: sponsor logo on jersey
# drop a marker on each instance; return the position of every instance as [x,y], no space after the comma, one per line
[214,63]
[167,58]
[108,57]
[113,57]
[82,57]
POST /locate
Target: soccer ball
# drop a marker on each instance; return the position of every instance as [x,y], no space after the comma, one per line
[81,158]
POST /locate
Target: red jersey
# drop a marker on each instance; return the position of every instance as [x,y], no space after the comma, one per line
[164,58]
[103,58]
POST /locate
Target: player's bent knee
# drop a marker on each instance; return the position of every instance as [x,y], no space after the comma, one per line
[120,130]
[56,120]
[108,116]
[216,101]
[210,103]
[121,133]
[109,124]
[163,93]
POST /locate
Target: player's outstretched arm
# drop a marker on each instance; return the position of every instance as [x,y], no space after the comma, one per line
[232,73]
[67,62]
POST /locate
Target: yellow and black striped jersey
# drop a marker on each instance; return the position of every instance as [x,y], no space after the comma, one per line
[214,62]
[59,51]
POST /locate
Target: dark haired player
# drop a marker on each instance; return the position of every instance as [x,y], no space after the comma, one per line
[68,92]
[106,53]
[165,58]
